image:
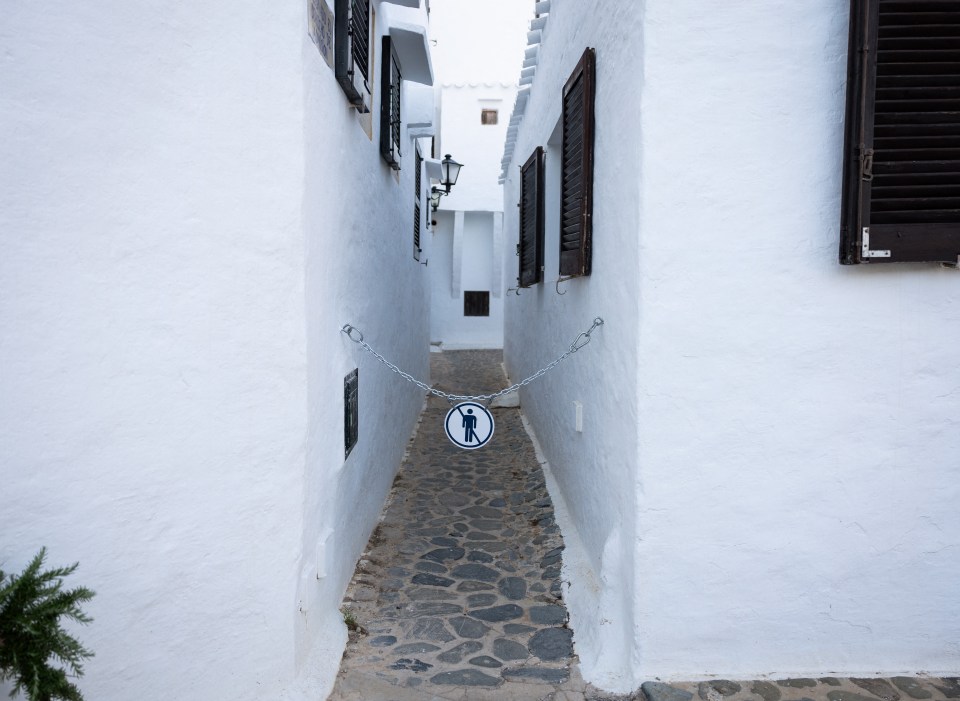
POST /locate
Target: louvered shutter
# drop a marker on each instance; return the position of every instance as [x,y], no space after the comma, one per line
[531,220]
[390,105]
[576,191]
[352,48]
[416,231]
[901,183]
[360,25]
[416,205]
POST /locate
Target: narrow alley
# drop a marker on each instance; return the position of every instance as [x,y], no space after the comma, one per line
[459,589]
[745,488]
[459,593]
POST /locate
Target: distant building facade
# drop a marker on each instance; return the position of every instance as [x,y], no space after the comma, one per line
[467,252]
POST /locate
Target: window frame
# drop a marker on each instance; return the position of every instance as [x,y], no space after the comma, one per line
[576,218]
[480,303]
[417,215]
[391,81]
[351,411]
[874,153]
[352,74]
[530,243]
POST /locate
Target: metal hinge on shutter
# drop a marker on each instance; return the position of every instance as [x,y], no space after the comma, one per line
[866,163]
[865,251]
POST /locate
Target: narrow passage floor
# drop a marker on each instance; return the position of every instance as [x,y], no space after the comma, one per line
[458,595]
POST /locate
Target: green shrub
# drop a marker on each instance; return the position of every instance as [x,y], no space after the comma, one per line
[31,638]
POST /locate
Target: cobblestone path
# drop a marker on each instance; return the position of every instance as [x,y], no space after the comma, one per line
[458,593]
[808,689]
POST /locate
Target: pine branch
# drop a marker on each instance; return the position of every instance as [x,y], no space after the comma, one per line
[31,637]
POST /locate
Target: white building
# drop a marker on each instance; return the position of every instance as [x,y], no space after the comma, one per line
[476,76]
[467,250]
[767,476]
[190,209]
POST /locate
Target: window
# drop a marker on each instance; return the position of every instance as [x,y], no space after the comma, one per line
[530,248]
[352,48]
[351,411]
[416,204]
[390,106]
[488,116]
[476,304]
[576,189]
[901,179]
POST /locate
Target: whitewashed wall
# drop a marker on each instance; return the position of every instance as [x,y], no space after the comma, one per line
[477,146]
[188,213]
[360,269]
[767,479]
[468,239]
[596,470]
[465,257]
[805,411]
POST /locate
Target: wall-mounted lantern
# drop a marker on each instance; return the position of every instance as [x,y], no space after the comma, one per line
[450,171]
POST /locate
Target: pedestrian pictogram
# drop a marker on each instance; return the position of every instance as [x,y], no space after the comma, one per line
[469,425]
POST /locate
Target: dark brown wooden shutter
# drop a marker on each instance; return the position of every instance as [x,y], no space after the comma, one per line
[416,204]
[419,167]
[576,191]
[352,49]
[531,220]
[360,25]
[901,182]
[390,106]
[416,231]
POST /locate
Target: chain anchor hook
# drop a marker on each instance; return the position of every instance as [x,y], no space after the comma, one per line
[580,341]
[349,330]
[584,338]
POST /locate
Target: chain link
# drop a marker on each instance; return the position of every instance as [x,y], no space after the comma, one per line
[356,335]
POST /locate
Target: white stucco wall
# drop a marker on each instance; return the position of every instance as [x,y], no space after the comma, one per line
[153,355]
[798,424]
[477,46]
[596,470]
[467,248]
[359,270]
[469,255]
[188,213]
[766,482]
[477,146]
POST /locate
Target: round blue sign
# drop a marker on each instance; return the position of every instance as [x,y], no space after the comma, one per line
[469,425]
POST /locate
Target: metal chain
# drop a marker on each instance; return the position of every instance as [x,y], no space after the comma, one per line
[356,335]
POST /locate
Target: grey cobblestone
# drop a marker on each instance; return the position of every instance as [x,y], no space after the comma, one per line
[911,687]
[453,573]
[801,689]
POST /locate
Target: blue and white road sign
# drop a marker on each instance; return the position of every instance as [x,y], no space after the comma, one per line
[469,425]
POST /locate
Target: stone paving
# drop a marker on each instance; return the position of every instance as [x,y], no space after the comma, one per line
[808,689]
[459,596]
